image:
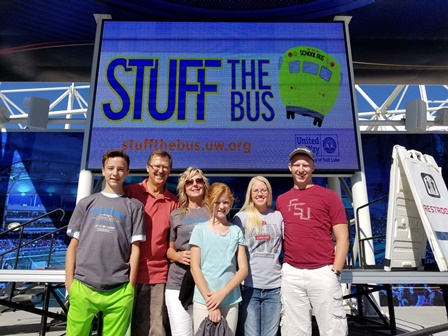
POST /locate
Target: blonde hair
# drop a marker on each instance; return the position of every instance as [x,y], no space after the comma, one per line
[216,190]
[254,220]
[183,178]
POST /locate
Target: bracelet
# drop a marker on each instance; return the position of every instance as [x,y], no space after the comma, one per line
[338,273]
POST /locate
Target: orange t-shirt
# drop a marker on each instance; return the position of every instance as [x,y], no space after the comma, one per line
[153,264]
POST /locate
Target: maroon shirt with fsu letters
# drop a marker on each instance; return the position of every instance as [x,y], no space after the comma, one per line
[309,216]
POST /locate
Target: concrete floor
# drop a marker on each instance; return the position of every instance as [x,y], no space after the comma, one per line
[24,323]
[407,318]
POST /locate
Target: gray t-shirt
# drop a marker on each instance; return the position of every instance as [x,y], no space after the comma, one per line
[180,233]
[105,228]
[263,249]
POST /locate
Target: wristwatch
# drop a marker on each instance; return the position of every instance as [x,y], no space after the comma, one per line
[338,273]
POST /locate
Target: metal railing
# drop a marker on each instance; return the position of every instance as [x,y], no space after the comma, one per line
[20,227]
[428,331]
[361,241]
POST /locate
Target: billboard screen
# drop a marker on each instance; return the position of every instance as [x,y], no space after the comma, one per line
[225,97]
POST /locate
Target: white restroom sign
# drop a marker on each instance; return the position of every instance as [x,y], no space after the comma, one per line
[419,177]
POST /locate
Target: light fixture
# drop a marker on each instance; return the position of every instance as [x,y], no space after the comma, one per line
[441,118]
[416,116]
[4,116]
[38,109]
[14,226]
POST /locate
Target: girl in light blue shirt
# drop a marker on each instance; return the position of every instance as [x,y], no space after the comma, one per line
[218,261]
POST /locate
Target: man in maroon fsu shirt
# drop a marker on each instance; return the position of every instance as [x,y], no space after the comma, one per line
[312,266]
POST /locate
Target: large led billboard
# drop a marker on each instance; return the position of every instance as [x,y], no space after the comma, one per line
[225,97]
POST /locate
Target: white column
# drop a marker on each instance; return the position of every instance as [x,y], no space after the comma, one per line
[334,184]
[85,184]
[360,198]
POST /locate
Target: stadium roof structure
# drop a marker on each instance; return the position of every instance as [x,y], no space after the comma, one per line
[392,41]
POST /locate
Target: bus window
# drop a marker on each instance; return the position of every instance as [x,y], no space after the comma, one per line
[294,66]
[311,68]
[325,74]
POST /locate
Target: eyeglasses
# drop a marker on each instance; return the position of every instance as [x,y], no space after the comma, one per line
[256,191]
[158,167]
[192,181]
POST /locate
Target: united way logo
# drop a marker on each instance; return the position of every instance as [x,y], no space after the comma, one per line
[430,185]
[329,145]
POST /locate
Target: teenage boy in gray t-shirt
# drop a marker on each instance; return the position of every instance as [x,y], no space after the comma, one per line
[102,259]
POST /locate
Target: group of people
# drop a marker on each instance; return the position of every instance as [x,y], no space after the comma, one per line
[152,261]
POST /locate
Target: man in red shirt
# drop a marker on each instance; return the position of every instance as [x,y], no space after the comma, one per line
[149,316]
[312,266]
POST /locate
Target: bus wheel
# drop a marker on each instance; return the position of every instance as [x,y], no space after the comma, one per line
[290,115]
[317,122]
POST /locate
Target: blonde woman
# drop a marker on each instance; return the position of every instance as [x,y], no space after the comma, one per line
[192,188]
[218,262]
[263,233]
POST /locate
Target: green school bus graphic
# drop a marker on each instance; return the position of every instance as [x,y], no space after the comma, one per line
[309,83]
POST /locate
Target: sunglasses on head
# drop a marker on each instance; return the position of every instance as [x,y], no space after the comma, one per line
[192,181]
